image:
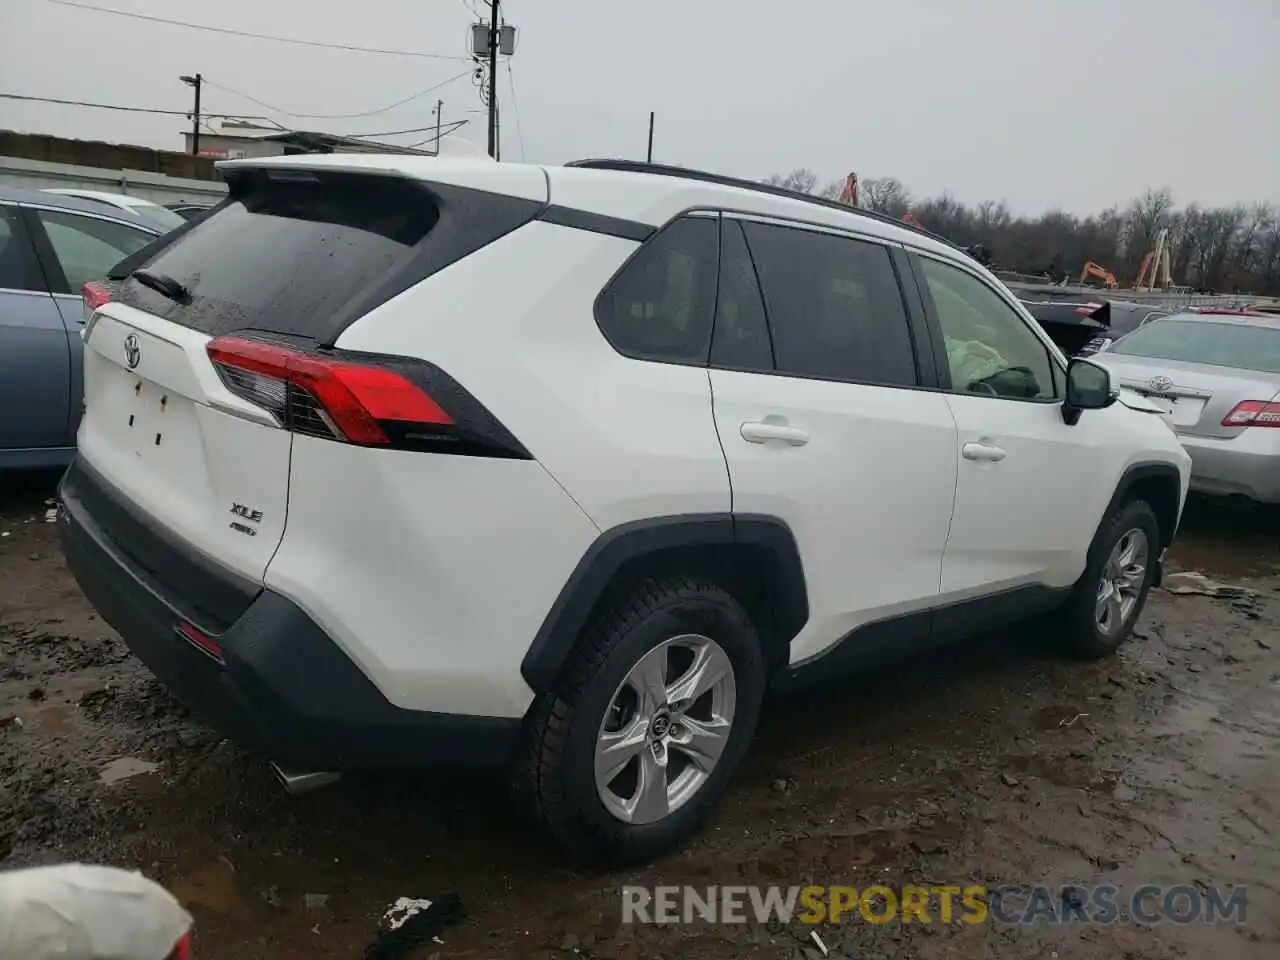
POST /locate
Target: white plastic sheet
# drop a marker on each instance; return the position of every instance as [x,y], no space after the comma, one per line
[80,912]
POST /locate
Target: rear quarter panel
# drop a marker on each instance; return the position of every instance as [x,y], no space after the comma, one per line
[514,324]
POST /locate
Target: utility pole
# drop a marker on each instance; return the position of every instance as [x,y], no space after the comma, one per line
[196,82]
[439,110]
[650,158]
[493,78]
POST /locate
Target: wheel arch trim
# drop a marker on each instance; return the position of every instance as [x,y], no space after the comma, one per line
[626,544]
[1149,470]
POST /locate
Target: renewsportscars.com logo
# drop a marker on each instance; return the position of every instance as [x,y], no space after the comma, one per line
[939,903]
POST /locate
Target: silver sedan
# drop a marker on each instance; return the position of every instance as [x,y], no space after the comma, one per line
[1216,377]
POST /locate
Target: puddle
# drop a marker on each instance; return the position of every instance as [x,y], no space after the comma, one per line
[126,768]
[54,718]
[212,887]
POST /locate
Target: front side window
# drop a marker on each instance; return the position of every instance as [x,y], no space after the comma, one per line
[990,350]
[87,248]
[742,333]
[834,307]
[659,305]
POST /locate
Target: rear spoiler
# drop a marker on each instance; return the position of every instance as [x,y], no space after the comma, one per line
[1100,313]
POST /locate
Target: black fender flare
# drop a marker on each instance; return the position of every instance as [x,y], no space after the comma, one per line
[621,547]
[1141,473]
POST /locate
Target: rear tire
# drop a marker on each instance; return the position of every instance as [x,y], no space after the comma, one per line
[620,722]
[1109,596]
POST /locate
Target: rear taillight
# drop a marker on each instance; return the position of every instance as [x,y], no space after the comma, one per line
[1253,413]
[370,401]
[93,295]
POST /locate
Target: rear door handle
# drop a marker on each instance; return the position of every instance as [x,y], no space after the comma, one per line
[755,431]
[983,451]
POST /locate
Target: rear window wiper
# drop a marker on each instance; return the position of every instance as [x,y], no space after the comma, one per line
[162,283]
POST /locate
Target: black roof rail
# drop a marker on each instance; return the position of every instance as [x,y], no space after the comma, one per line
[685,173]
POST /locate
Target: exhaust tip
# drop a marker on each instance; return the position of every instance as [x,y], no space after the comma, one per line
[296,782]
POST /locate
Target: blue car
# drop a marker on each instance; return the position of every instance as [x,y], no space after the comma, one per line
[50,247]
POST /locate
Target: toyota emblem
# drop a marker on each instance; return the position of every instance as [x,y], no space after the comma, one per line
[1159,384]
[132,351]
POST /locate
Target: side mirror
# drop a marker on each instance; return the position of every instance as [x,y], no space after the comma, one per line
[1088,388]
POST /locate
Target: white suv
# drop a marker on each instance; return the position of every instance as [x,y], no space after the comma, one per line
[392,460]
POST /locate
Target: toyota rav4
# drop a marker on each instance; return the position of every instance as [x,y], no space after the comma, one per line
[399,460]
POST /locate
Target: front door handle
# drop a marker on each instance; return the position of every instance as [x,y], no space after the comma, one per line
[756,431]
[983,451]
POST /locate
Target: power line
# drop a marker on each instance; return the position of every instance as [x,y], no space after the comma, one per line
[451,126]
[515,108]
[446,128]
[227,31]
[126,109]
[340,116]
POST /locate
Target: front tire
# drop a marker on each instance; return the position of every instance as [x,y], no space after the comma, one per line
[655,710]
[1110,595]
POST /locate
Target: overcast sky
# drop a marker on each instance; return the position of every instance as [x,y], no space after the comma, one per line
[1073,104]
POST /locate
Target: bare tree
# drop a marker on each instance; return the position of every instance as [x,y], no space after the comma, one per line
[1147,216]
[1222,249]
[884,195]
[801,180]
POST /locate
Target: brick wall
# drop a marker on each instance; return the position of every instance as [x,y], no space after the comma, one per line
[111,156]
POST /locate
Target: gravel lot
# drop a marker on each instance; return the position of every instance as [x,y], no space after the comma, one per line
[996,763]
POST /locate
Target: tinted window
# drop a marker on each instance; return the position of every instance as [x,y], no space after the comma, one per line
[1244,346]
[659,305]
[990,350]
[17,261]
[87,248]
[742,334]
[287,253]
[834,306]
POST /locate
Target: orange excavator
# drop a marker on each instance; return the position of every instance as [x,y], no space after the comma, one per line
[1092,269]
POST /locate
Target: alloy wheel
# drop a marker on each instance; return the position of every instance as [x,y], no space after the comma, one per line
[665,730]
[1123,577]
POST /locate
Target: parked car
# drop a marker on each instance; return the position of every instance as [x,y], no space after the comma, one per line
[1217,377]
[50,246]
[578,461]
[188,210]
[160,217]
[1081,328]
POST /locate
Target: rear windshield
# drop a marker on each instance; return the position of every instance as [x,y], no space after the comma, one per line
[158,216]
[1244,346]
[288,251]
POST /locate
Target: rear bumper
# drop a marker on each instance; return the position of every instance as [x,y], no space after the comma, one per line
[284,688]
[1241,466]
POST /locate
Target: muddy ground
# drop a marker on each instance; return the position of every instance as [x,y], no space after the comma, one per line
[998,763]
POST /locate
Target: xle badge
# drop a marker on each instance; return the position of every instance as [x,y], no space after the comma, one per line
[248,513]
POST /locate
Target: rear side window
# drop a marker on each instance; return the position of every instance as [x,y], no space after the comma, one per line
[18,270]
[306,253]
[834,306]
[659,305]
[87,248]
